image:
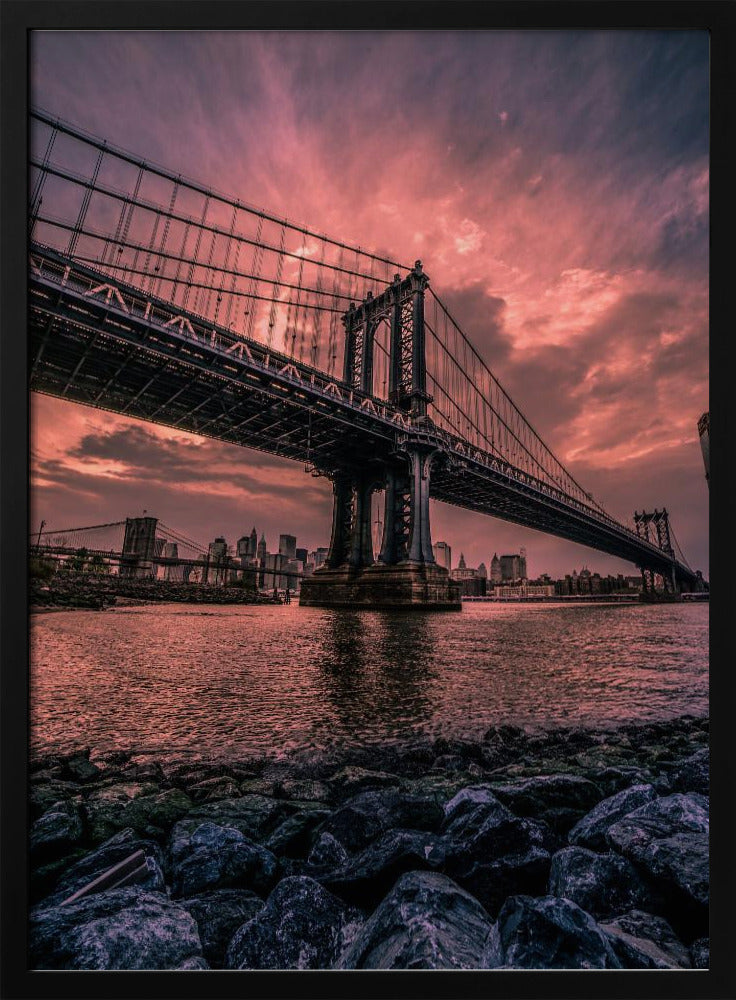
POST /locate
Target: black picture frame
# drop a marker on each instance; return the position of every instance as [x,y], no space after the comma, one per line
[18,19]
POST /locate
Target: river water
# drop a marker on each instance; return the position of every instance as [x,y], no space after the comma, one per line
[225,682]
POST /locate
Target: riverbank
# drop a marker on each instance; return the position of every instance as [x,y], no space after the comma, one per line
[90,592]
[572,848]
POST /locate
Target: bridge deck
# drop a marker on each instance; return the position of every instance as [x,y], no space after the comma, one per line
[111,347]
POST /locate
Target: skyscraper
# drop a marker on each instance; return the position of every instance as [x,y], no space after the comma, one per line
[287,546]
[496,576]
[443,554]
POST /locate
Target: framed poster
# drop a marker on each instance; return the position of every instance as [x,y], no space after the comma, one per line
[367,545]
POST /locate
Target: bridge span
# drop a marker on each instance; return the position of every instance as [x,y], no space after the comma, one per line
[120,322]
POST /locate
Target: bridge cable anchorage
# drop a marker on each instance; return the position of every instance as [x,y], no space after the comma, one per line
[75,131]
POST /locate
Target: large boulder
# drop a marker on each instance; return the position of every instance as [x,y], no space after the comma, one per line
[327,852]
[149,813]
[547,933]
[121,929]
[644,941]
[367,877]
[256,816]
[107,855]
[425,922]
[668,838]
[557,799]
[293,837]
[591,830]
[302,926]
[491,852]
[78,767]
[351,779]
[602,884]
[219,913]
[219,857]
[57,831]
[367,815]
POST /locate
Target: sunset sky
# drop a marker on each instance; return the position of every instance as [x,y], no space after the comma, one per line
[555,186]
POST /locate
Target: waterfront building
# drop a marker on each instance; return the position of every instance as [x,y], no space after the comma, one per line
[443,555]
[496,575]
[524,591]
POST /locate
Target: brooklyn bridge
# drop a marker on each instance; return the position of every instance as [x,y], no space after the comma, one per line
[153,296]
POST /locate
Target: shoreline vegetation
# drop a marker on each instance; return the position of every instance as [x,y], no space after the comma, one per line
[571,848]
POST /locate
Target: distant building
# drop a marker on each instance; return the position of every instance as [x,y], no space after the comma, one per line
[287,546]
[301,555]
[320,556]
[525,590]
[442,555]
[217,559]
[472,583]
[261,552]
[171,551]
[496,575]
[513,567]
[704,432]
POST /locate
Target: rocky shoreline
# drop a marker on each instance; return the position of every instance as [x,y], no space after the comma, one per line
[87,591]
[566,849]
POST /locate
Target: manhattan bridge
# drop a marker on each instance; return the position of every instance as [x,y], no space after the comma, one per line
[153,296]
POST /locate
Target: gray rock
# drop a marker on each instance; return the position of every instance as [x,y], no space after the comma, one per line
[328,852]
[254,815]
[219,914]
[591,830]
[55,832]
[491,852]
[693,774]
[547,933]
[557,799]
[78,767]
[425,922]
[602,884]
[369,814]
[302,926]
[219,857]
[700,953]
[116,849]
[196,964]
[134,805]
[367,877]
[351,779]
[293,837]
[122,929]
[668,838]
[43,796]
[644,941]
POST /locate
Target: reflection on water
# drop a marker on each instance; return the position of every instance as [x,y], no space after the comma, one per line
[228,682]
[375,670]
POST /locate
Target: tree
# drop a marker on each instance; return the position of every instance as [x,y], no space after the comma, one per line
[78,561]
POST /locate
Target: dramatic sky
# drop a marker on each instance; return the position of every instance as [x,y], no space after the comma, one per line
[555,185]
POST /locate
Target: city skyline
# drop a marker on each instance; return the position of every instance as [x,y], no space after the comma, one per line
[565,225]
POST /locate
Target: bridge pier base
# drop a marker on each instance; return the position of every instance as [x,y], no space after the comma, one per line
[421,586]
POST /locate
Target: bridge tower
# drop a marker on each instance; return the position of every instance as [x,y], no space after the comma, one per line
[405,573]
[139,547]
[655,528]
